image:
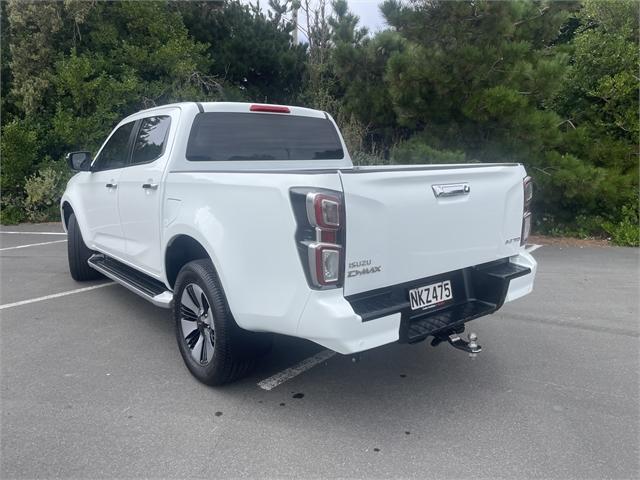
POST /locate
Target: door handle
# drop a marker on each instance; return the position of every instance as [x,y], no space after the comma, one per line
[111,185]
[150,186]
[451,190]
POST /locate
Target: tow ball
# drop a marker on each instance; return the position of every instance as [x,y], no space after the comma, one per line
[456,341]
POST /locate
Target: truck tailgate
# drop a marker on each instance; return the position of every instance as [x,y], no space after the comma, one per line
[398,230]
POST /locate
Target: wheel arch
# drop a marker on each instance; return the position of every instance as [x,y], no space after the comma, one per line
[180,250]
[65,212]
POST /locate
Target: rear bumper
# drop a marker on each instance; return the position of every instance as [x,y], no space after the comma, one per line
[360,322]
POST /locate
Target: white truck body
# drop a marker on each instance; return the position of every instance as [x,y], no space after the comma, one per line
[396,233]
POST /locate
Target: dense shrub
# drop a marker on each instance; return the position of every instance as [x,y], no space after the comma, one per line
[44,190]
[19,151]
[625,231]
[11,209]
[418,151]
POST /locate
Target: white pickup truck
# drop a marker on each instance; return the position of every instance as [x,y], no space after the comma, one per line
[250,219]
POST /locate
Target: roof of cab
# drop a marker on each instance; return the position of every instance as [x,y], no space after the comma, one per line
[237,107]
[244,107]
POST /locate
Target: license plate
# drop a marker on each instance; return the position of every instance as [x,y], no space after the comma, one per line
[431,295]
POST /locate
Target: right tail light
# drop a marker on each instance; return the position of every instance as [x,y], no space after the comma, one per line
[527,186]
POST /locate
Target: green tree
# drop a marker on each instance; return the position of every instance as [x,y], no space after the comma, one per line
[478,75]
[19,149]
[360,71]
[6,105]
[551,84]
[253,52]
[33,29]
[344,25]
[76,68]
[600,96]
[129,55]
[599,104]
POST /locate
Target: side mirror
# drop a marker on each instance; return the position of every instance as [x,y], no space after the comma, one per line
[79,161]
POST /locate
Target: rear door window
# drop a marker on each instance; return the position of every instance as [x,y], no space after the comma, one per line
[151,139]
[225,136]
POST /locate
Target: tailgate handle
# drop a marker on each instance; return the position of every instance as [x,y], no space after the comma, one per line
[451,190]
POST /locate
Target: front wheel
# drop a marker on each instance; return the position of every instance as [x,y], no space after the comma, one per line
[213,347]
[78,254]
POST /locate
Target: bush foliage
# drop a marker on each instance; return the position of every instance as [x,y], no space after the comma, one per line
[553,85]
[43,191]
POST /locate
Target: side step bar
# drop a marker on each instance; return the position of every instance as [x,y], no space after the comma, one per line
[139,283]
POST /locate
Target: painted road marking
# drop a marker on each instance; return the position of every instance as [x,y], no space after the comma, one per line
[533,248]
[31,245]
[281,377]
[33,233]
[55,295]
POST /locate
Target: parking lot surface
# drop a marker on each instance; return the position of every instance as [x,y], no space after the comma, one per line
[93,386]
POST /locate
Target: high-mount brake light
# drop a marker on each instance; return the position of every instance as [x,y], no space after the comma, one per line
[320,235]
[269,108]
[527,186]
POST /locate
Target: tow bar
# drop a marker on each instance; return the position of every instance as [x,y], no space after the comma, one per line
[456,341]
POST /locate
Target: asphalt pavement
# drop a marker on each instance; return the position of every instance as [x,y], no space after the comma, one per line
[93,386]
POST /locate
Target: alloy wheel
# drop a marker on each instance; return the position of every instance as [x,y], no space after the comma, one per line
[196,322]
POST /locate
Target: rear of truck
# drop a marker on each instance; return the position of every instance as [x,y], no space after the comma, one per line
[349,257]
[413,252]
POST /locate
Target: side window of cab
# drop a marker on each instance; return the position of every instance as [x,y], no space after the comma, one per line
[151,139]
[115,153]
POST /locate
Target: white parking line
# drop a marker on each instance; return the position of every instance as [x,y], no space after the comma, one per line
[55,295]
[33,233]
[281,377]
[533,248]
[31,245]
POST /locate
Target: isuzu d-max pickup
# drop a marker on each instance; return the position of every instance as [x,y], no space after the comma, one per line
[248,220]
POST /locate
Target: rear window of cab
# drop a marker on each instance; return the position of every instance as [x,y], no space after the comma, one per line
[224,136]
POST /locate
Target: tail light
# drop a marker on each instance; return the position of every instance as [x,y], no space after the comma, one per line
[324,264]
[527,186]
[323,211]
[320,235]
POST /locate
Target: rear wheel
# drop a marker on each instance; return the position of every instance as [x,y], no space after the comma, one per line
[78,254]
[213,347]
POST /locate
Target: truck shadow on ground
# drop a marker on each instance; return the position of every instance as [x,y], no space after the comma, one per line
[384,382]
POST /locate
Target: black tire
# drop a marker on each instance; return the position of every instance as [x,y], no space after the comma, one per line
[78,253]
[234,350]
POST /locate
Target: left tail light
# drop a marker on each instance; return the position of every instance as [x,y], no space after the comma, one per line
[527,186]
[320,235]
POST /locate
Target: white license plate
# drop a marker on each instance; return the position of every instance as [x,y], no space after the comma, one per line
[431,295]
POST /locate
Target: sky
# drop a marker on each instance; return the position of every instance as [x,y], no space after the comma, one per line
[369,13]
[367,10]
